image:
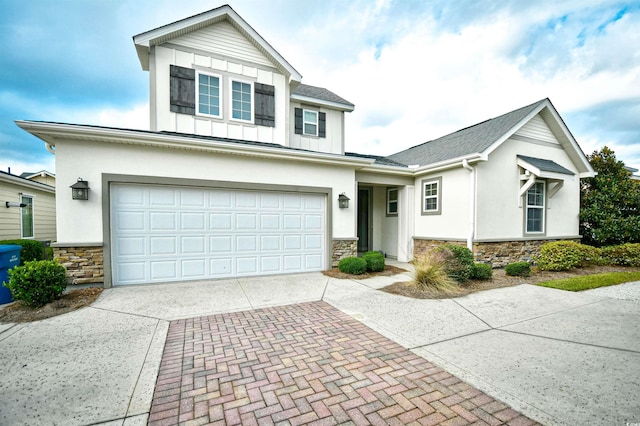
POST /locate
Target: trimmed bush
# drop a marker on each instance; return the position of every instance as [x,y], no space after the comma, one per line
[623,255]
[481,271]
[353,265]
[37,282]
[375,261]
[31,249]
[518,269]
[565,255]
[459,263]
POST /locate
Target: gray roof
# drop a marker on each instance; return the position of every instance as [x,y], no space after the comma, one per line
[546,165]
[320,93]
[384,161]
[471,140]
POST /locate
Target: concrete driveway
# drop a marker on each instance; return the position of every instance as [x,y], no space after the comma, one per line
[557,357]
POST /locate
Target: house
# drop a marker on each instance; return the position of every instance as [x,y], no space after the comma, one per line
[42,176]
[243,167]
[28,208]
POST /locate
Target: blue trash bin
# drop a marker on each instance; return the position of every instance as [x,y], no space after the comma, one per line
[9,257]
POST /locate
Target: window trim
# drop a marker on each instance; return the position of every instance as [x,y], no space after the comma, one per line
[390,201]
[304,122]
[251,93]
[543,208]
[438,196]
[33,224]
[197,97]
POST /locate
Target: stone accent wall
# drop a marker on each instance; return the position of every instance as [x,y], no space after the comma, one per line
[84,264]
[342,249]
[498,254]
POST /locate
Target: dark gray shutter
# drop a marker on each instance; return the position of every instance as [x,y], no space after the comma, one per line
[265,104]
[298,123]
[183,90]
[322,125]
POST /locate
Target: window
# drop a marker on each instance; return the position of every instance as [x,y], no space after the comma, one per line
[310,123]
[241,101]
[209,95]
[392,201]
[535,208]
[431,196]
[26,216]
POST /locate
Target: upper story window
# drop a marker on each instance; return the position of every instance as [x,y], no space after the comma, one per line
[26,216]
[392,201]
[241,101]
[535,208]
[209,89]
[310,123]
[432,196]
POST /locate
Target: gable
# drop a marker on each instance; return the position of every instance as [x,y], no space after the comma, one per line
[537,129]
[225,40]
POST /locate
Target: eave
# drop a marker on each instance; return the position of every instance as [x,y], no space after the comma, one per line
[321,102]
[51,133]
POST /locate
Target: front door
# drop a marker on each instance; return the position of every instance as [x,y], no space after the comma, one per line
[364,219]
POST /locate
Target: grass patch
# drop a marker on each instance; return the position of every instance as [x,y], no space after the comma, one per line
[587,282]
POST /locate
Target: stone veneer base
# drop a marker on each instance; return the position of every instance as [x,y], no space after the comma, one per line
[85,265]
[498,253]
[343,248]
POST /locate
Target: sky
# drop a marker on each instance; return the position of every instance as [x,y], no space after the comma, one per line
[415,69]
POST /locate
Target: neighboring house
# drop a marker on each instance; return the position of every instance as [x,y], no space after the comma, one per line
[243,167]
[42,176]
[36,219]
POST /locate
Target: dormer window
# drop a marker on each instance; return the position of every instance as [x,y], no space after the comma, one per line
[310,123]
[241,101]
[209,89]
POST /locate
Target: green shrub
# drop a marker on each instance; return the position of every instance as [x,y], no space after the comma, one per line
[565,255]
[518,269]
[353,265]
[375,261]
[624,255]
[37,282]
[481,271]
[31,249]
[430,274]
[459,264]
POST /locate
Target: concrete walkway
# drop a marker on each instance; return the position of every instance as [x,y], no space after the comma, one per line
[557,357]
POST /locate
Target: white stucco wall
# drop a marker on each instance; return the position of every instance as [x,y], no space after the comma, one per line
[500,209]
[453,222]
[385,228]
[81,221]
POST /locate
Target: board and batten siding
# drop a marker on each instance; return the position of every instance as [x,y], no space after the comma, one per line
[537,129]
[333,142]
[44,210]
[223,39]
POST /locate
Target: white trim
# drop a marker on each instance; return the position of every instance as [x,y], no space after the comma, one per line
[438,197]
[241,81]
[389,201]
[33,224]
[322,102]
[220,94]
[304,122]
[542,208]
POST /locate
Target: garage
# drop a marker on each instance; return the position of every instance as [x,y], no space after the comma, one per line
[162,233]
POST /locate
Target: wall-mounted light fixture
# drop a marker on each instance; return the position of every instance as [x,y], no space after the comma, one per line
[343,201]
[13,204]
[80,190]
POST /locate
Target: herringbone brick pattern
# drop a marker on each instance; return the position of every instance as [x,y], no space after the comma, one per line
[306,364]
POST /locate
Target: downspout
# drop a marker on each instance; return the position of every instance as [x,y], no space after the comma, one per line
[472,203]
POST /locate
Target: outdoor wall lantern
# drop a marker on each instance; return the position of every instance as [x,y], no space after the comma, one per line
[343,201]
[80,190]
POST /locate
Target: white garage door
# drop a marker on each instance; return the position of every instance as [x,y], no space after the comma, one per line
[165,233]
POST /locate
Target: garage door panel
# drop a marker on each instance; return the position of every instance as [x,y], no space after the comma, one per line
[162,234]
[163,246]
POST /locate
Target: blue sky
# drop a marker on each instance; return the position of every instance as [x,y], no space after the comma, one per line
[415,70]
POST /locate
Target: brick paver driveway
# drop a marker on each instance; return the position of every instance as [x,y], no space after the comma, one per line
[306,364]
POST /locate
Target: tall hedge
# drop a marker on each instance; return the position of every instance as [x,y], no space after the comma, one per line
[31,249]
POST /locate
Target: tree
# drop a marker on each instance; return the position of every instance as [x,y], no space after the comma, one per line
[609,202]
